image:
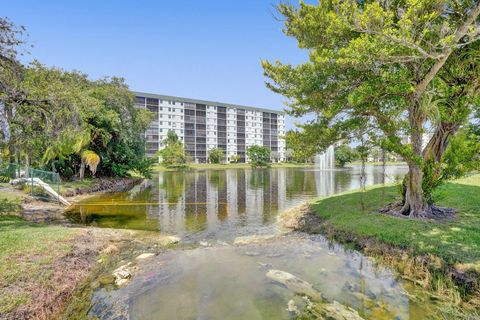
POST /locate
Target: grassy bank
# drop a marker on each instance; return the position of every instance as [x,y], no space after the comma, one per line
[439,255]
[29,261]
[456,241]
[213,166]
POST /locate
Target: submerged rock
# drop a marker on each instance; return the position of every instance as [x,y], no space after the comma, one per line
[291,307]
[338,311]
[122,275]
[252,253]
[252,239]
[167,240]
[144,256]
[293,283]
[264,265]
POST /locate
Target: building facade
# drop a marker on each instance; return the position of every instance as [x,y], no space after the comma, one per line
[204,125]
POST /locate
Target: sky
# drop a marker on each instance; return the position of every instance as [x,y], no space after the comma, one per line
[204,49]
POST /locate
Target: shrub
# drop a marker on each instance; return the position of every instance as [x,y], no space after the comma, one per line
[259,156]
[4,179]
[216,155]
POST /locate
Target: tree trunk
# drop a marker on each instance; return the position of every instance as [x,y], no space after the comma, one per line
[414,203]
[82,169]
[27,166]
[439,142]
[11,149]
[11,138]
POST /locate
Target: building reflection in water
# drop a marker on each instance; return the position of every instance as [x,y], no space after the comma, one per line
[217,201]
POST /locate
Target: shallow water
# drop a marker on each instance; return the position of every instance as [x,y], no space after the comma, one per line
[218,280]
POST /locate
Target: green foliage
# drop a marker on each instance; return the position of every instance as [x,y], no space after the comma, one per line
[235,158]
[259,156]
[51,116]
[343,155]
[361,152]
[173,154]
[4,179]
[384,69]
[216,155]
[462,156]
[301,149]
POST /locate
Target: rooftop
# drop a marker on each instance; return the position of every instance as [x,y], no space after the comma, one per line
[206,102]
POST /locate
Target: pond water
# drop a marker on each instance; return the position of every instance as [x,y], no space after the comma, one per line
[218,280]
[220,204]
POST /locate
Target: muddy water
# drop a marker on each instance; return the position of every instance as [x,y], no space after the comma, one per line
[218,280]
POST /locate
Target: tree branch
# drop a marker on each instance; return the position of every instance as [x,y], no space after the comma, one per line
[459,34]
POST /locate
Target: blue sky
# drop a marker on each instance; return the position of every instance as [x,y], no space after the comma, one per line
[206,49]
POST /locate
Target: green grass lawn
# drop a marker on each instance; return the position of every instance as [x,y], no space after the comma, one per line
[456,241]
[213,166]
[26,251]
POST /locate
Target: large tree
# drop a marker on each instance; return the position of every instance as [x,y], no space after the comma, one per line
[389,70]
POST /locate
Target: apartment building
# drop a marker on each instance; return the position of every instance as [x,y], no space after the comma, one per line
[204,125]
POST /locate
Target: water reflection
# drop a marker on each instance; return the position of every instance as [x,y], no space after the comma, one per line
[220,203]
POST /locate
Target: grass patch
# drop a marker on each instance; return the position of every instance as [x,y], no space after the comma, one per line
[455,241]
[26,251]
[9,200]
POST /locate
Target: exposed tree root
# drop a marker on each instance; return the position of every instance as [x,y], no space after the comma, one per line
[401,209]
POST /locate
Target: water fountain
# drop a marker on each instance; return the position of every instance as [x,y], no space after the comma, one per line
[326,159]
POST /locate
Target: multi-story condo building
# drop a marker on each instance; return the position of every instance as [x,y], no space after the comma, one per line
[205,125]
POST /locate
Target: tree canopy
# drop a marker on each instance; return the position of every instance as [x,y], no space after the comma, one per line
[389,70]
[216,155]
[63,121]
[173,154]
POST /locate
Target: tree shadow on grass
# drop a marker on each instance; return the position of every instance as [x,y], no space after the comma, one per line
[455,240]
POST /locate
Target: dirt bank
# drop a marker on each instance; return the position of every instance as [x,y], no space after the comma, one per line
[102,185]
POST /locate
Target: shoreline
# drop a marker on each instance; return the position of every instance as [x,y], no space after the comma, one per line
[450,282]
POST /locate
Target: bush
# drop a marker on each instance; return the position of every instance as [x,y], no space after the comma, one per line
[173,154]
[4,179]
[235,158]
[343,155]
[216,155]
[259,156]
